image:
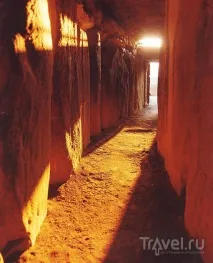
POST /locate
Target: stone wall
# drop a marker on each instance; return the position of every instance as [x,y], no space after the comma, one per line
[26,61]
[140,80]
[122,84]
[56,91]
[71,93]
[185,112]
[95,80]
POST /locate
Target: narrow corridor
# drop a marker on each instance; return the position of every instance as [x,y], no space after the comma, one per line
[106,157]
[90,165]
[119,194]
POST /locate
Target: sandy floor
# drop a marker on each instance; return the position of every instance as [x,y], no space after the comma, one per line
[120,193]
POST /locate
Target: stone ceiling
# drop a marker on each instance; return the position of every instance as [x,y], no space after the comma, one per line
[137,17]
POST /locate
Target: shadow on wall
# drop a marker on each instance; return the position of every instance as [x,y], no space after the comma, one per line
[25,129]
[71,92]
[153,211]
[25,96]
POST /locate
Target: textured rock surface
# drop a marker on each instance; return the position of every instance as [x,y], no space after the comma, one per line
[38,41]
[47,101]
[129,58]
[123,84]
[137,17]
[109,97]
[139,93]
[25,89]
[71,99]
[185,124]
[95,80]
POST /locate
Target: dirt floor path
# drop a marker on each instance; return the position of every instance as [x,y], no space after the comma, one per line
[120,193]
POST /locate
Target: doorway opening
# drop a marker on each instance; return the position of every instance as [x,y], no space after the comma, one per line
[153,92]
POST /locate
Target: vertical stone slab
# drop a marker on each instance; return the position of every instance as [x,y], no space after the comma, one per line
[130,60]
[66,123]
[115,86]
[163,101]
[187,143]
[95,80]
[139,96]
[70,98]
[109,96]
[122,81]
[25,92]
[84,84]
[146,82]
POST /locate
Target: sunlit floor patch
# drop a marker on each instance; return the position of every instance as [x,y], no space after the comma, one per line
[84,217]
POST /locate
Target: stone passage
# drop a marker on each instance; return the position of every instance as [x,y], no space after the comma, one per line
[120,192]
[84,216]
[76,108]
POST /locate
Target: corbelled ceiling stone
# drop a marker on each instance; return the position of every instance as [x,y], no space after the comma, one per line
[137,17]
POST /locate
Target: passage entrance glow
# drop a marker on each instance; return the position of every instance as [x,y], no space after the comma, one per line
[152,42]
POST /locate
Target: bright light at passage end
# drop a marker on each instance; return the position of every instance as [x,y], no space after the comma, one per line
[153,42]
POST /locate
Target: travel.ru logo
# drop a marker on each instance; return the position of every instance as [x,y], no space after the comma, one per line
[173,246]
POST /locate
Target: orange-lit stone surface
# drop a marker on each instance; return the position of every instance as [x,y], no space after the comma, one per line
[185,117]
[122,84]
[1,259]
[71,95]
[97,215]
[95,80]
[109,95]
[47,103]
[26,47]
